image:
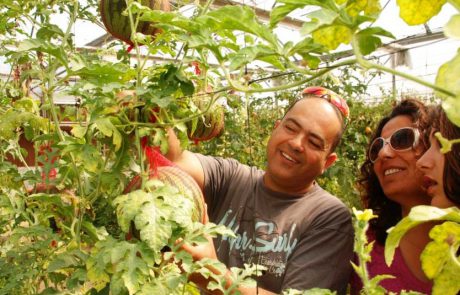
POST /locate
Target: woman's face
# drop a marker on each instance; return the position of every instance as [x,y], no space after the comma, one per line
[396,170]
[431,164]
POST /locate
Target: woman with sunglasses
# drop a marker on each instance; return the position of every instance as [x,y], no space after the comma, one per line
[441,172]
[391,187]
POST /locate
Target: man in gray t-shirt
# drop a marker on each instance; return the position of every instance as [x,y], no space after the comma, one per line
[281,217]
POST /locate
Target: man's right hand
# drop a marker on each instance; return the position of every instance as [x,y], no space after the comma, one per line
[186,160]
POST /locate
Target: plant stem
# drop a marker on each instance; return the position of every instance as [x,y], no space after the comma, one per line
[370,65]
[140,151]
[239,87]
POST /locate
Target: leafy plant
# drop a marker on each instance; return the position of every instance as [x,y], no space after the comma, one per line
[440,260]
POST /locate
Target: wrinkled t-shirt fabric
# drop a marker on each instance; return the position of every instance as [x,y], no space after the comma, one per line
[304,241]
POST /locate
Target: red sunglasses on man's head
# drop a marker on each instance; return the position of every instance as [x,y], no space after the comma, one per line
[329,95]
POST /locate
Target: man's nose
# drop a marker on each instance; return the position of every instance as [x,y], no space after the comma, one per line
[296,143]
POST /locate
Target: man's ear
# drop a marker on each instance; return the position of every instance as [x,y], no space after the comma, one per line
[277,123]
[330,159]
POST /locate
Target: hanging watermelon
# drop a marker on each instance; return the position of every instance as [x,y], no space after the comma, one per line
[118,24]
[210,125]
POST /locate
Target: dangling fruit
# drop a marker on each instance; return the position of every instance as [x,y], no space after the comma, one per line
[176,177]
[118,24]
[210,125]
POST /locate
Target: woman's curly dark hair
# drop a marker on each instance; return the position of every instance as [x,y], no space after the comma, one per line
[373,197]
[451,175]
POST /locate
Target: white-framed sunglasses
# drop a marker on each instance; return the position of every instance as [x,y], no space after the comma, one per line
[401,140]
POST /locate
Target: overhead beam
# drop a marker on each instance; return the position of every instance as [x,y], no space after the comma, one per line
[391,46]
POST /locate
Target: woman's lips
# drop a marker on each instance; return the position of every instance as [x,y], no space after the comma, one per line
[428,182]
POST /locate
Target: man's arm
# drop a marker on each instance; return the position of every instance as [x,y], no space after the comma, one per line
[186,160]
[208,251]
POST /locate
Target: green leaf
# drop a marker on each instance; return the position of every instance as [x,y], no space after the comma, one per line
[49,31]
[452,28]
[150,221]
[134,270]
[417,12]
[242,18]
[44,46]
[448,77]
[251,53]
[287,6]
[281,11]
[97,264]
[108,129]
[102,73]
[63,260]
[368,40]
[417,215]
[79,131]
[368,44]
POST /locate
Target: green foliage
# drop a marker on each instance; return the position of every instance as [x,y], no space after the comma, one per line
[440,260]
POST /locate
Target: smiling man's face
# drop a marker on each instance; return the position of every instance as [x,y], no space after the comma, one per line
[299,148]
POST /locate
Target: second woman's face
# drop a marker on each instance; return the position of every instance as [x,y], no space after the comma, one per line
[396,170]
[431,164]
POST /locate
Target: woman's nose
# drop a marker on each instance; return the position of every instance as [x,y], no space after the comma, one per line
[424,161]
[386,151]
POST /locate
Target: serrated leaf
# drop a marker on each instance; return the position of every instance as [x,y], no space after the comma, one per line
[97,263]
[417,12]
[134,270]
[332,36]
[151,223]
[128,206]
[452,28]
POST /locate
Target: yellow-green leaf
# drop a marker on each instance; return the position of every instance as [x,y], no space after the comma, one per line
[439,259]
[452,28]
[416,12]
[448,76]
[452,106]
[366,6]
[79,131]
[332,36]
